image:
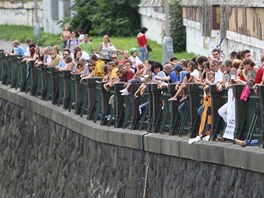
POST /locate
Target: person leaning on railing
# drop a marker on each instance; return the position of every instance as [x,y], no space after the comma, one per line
[193,74]
[17,49]
[55,58]
[206,116]
[112,69]
[98,70]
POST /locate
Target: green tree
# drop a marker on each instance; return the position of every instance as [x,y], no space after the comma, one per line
[115,17]
[178,30]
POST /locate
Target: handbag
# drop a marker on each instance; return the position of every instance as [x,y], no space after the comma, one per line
[148,48]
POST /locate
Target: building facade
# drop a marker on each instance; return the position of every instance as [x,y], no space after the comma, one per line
[238,23]
[54,11]
[153,17]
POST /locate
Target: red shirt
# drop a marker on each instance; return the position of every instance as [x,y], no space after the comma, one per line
[142,40]
[128,75]
[259,74]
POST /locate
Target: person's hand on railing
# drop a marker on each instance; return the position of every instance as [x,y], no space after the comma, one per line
[219,87]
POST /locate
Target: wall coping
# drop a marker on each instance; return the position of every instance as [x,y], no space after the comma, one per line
[227,154]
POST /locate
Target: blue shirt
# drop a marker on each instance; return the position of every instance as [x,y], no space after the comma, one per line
[174,77]
[182,75]
[62,63]
[20,51]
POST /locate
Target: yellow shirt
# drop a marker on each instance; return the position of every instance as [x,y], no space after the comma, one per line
[113,75]
[98,70]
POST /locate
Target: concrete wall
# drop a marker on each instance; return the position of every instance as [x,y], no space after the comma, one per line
[46,151]
[19,13]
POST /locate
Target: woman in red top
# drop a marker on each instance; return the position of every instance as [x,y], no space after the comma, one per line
[142,44]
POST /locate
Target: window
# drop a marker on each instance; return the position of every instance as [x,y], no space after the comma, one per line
[216,17]
[54,9]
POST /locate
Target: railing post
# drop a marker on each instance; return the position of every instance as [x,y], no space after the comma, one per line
[135,118]
[119,105]
[2,54]
[216,104]
[261,107]
[91,86]
[78,94]
[66,87]
[174,114]
[55,87]
[9,70]
[155,105]
[18,72]
[24,81]
[194,103]
[84,97]
[241,111]
[105,96]
[13,65]
[4,70]
[33,77]
[44,83]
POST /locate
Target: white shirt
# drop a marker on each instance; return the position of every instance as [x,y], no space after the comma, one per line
[195,74]
[134,60]
[80,39]
[27,53]
[85,55]
[218,76]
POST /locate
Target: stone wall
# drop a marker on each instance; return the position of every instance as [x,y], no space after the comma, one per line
[49,152]
[19,13]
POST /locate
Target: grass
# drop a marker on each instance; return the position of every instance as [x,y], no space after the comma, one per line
[21,33]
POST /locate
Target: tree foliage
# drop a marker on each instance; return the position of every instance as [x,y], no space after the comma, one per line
[178,30]
[115,17]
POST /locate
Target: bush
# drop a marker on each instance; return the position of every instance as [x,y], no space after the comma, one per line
[115,17]
[178,30]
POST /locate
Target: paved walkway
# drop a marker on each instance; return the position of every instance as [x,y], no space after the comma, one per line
[7,45]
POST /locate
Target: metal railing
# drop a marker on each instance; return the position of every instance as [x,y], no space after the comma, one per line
[151,112]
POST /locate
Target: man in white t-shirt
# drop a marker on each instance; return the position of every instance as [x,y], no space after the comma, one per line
[214,66]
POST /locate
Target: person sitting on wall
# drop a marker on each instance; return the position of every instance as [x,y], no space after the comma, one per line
[193,74]
[156,70]
[143,71]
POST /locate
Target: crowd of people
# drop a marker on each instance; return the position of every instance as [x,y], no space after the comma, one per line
[79,56]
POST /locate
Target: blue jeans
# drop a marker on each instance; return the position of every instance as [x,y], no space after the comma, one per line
[181,109]
[200,111]
[143,54]
[254,142]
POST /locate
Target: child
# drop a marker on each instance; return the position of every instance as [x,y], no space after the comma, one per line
[133,58]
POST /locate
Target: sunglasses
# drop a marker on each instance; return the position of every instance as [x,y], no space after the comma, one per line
[114,57]
[90,65]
